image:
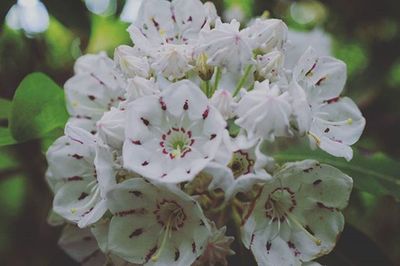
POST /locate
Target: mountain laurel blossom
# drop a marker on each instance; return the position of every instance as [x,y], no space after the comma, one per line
[170,148]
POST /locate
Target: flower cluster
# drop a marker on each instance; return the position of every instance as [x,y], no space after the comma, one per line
[170,146]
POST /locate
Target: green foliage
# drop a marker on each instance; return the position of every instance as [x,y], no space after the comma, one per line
[245,5]
[376,174]
[353,54]
[394,75]
[7,161]
[12,194]
[107,33]
[37,109]
[5,137]
[5,108]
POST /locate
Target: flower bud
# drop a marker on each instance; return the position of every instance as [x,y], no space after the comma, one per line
[223,101]
[204,70]
[111,128]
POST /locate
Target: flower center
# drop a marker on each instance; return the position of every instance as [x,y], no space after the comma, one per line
[279,208]
[170,214]
[241,164]
[176,143]
[280,202]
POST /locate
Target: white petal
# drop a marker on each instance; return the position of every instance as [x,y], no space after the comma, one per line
[323,78]
[336,126]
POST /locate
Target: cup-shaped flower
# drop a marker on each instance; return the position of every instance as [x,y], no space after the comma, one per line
[297,217]
[267,35]
[331,122]
[166,32]
[155,225]
[171,137]
[226,46]
[93,90]
[265,112]
[78,197]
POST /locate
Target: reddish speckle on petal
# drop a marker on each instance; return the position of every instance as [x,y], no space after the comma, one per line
[137,232]
[145,121]
[163,105]
[136,142]
[206,112]
[186,105]
[333,100]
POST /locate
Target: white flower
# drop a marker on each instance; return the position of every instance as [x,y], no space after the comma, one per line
[270,66]
[131,63]
[267,35]
[297,217]
[78,197]
[166,32]
[223,101]
[265,112]
[173,136]
[217,248]
[94,89]
[226,46]
[173,61]
[168,224]
[333,123]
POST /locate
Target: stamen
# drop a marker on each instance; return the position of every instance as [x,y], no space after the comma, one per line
[167,234]
[315,137]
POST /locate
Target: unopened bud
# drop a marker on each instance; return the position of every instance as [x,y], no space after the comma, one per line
[204,70]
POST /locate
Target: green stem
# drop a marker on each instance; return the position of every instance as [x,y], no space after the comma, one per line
[208,91]
[242,80]
[217,79]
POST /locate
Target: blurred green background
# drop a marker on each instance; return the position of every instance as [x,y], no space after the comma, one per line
[363,33]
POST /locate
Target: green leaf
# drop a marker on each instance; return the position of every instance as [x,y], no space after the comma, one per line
[5,107]
[37,109]
[376,174]
[7,160]
[5,137]
[12,195]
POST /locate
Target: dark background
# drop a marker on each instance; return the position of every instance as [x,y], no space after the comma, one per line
[365,35]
